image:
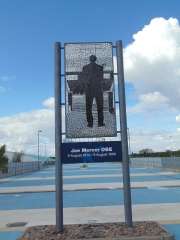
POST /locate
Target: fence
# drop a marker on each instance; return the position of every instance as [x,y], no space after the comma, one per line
[164,163]
[19,167]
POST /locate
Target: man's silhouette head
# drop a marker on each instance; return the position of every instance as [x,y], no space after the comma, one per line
[92,58]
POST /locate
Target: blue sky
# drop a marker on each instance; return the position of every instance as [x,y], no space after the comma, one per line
[150,32]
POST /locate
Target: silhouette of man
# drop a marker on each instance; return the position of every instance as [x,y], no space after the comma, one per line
[93,76]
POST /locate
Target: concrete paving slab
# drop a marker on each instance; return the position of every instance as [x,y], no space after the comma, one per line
[5,180]
[162,213]
[89,186]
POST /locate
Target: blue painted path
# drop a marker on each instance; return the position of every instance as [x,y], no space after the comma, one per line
[88,198]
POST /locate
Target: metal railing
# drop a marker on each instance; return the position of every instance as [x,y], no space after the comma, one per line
[15,168]
[164,163]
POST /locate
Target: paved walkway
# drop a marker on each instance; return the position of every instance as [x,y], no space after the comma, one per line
[93,194]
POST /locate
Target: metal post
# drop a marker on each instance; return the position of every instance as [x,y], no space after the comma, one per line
[58,138]
[124,139]
[38,148]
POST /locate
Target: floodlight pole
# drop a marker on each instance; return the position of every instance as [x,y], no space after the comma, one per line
[58,139]
[38,149]
[124,139]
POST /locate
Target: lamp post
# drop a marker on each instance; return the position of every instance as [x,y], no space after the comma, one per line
[38,147]
[171,145]
[45,148]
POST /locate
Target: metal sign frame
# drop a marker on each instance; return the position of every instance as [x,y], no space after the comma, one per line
[58,135]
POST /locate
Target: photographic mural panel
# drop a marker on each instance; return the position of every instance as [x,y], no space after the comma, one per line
[90,106]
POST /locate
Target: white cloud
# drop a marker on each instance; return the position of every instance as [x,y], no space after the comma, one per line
[49,103]
[115,64]
[153,98]
[156,140]
[7,78]
[151,65]
[178,118]
[152,61]
[20,132]
[149,103]
[2,89]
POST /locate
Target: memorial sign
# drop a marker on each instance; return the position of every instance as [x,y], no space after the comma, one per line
[84,152]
